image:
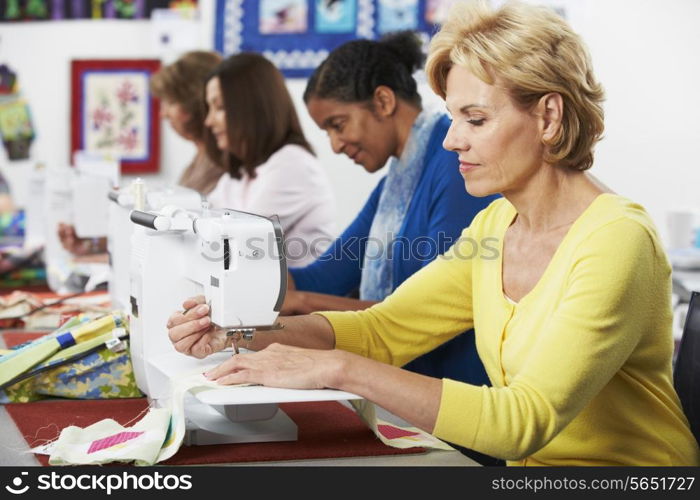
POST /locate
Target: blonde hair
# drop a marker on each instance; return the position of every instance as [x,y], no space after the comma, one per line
[532,52]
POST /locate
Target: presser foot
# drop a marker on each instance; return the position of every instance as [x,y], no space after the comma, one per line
[238,334]
[235,335]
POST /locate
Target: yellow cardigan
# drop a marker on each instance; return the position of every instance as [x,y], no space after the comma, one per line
[581,366]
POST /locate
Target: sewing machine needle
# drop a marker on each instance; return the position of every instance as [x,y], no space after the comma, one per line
[235,347]
[233,335]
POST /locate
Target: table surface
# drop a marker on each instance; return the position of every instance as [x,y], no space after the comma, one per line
[15,451]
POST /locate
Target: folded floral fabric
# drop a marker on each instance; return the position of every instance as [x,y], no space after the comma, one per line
[45,311]
[99,368]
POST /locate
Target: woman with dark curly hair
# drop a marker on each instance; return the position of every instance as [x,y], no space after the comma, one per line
[365,97]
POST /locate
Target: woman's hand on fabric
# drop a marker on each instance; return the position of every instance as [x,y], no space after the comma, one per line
[192,332]
[282,366]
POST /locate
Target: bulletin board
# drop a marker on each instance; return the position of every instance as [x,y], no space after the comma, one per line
[297,35]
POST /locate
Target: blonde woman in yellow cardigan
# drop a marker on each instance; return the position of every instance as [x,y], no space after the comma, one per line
[572,315]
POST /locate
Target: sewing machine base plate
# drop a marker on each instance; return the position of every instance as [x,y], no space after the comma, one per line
[205,426]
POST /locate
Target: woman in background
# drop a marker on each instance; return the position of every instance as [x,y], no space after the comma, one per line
[365,97]
[254,130]
[180,88]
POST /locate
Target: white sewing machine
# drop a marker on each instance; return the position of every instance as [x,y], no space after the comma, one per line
[235,260]
[77,196]
[123,201]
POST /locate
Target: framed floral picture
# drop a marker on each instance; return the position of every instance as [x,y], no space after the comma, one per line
[113,111]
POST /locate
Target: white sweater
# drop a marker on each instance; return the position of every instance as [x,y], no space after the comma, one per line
[292,185]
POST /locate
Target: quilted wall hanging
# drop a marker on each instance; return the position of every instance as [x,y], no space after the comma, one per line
[298,34]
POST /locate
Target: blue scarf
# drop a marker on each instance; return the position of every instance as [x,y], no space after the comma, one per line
[399,185]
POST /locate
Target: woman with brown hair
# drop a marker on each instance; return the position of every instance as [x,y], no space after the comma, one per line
[180,88]
[254,130]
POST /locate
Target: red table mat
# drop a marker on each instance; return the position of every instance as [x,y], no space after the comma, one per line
[14,338]
[327,429]
[38,288]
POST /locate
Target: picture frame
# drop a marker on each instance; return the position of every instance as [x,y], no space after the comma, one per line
[114,113]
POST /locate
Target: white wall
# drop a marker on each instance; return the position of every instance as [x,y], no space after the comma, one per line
[646,53]
[40,54]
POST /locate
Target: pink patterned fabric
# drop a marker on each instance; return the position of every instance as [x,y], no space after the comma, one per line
[110,441]
[391,432]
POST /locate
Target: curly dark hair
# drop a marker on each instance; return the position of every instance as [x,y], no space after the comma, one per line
[355,69]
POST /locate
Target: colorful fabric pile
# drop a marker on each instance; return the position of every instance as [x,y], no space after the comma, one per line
[20,265]
[84,359]
[46,311]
